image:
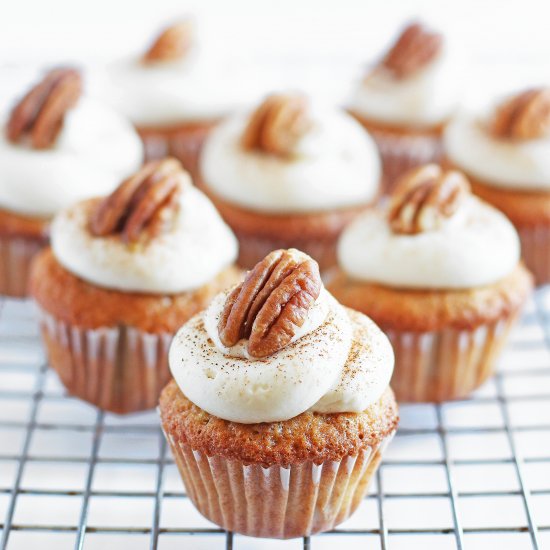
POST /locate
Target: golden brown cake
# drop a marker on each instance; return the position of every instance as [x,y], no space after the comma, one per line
[124,272]
[439,271]
[45,164]
[406,99]
[505,154]
[280,409]
[289,174]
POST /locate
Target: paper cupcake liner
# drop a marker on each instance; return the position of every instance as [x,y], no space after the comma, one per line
[16,255]
[276,502]
[535,250]
[120,369]
[184,143]
[401,152]
[445,365]
[252,249]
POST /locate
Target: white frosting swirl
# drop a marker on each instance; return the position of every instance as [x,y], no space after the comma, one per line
[476,246]
[95,149]
[171,92]
[316,371]
[336,164]
[198,247]
[426,98]
[499,162]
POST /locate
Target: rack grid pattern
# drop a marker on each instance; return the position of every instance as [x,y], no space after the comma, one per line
[470,474]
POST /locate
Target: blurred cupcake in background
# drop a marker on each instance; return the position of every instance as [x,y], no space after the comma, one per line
[173,96]
[506,154]
[57,147]
[122,274]
[406,99]
[289,174]
[438,270]
[280,408]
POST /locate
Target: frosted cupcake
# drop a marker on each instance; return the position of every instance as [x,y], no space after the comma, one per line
[169,94]
[439,271]
[280,409]
[506,154]
[407,98]
[56,147]
[122,274]
[289,174]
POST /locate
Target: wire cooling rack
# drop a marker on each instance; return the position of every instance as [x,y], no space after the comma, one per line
[471,474]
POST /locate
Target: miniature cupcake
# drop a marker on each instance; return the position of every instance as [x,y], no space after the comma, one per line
[280,409]
[406,100]
[507,158]
[170,95]
[57,147]
[122,274]
[439,271]
[289,175]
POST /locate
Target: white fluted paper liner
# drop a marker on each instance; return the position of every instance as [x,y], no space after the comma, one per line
[401,152]
[276,502]
[535,250]
[16,255]
[448,364]
[120,369]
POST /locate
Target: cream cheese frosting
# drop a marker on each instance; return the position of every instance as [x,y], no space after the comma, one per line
[337,362]
[510,164]
[95,149]
[476,246]
[171,92]
[197,247]
[336,164]
[427,98]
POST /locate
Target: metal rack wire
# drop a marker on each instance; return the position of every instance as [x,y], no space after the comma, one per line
[469,474]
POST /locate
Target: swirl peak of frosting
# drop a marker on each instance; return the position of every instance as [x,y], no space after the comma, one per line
[425,197]
[335,360]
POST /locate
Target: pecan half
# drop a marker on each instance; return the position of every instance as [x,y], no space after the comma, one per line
[271,303]
[173,43]
[277,124]
[413,50]
[38,117]
[523,116]
[147,200]
[424,197]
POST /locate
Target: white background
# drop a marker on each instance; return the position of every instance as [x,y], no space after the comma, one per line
[312,44]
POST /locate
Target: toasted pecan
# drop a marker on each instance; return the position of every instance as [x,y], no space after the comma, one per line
[171,44]
[277,124]
[271,303]
[38,116]
[413,50]
[424,197]
[523,116]
[148,199]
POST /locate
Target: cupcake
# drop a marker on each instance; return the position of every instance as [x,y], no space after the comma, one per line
[289,174]
[280,407]
[57,147]
[406,99]
[171,94]
[506,154]
[122,274]
[439,271]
